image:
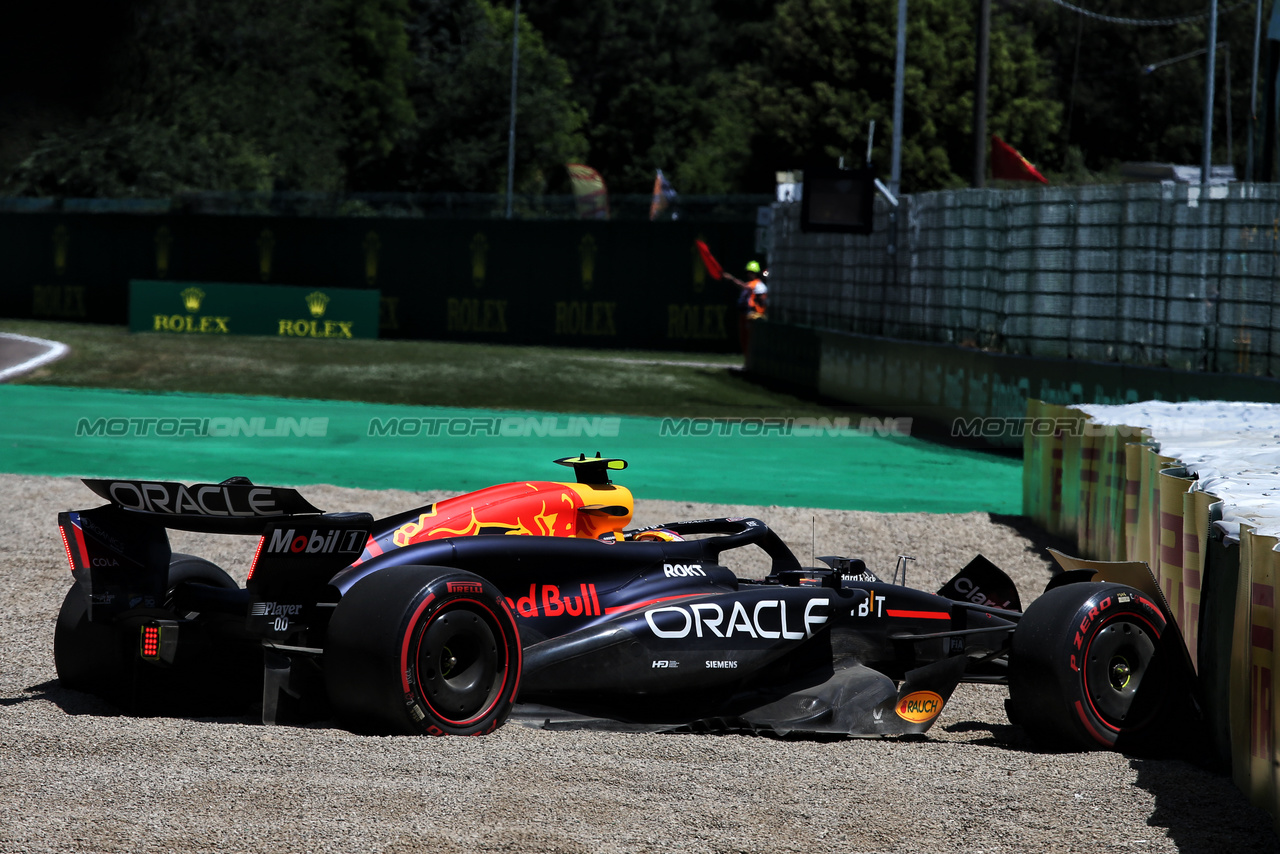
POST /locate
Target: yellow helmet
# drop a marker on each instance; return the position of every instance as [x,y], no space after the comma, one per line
[753,266]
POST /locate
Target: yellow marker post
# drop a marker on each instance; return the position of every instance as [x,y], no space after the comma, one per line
[1134,457]
[1195,544]
[1262,598]
[1069,514]
[1173,485]
[1240,695]
[1090,498]
[1033,449]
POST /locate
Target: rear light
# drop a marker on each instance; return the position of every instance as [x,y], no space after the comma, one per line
[151,642]
[67,546]
[256,553]
[73,541]
[159,641]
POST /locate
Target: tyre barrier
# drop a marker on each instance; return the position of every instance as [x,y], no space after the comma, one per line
[1188,489]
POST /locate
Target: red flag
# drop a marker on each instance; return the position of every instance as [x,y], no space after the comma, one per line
[1008,164]
[709,261]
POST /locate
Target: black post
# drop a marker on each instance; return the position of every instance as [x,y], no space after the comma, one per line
[1269,113]
[980,142]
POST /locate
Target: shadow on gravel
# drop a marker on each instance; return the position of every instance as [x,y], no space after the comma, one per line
[79,703]
[71,702]
[1201,810]
[1038,537]
[1004,736]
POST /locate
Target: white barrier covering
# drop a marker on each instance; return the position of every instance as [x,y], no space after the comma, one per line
[1233,448]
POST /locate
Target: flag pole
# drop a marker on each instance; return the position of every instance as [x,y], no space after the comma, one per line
[980,142]
[511,133]
[895,168]
[899,75]
[1253,93]
[1206,158]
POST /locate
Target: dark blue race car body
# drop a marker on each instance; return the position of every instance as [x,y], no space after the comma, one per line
[403,625]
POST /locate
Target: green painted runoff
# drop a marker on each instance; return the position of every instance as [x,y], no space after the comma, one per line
[864,465]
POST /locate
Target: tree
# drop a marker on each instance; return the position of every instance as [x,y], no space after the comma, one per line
[371,78]
[653,80]
[1116,111]
[237,95]
[461,91]
[828,71]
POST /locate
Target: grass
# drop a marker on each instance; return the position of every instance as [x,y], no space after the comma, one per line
[426,373]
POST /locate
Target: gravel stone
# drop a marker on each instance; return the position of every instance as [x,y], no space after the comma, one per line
[78,776]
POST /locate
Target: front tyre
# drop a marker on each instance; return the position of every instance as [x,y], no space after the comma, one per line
[1088,669]
[422,650]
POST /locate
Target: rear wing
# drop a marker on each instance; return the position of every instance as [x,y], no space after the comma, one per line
[119,553]
[235,506]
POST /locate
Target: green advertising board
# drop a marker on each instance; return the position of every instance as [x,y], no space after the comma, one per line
[571,283]
[206,308]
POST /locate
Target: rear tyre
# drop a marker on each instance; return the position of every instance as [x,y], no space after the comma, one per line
[189,569]
[86,655]
[100,658]
[422,650]
[219,673]
[1088,670]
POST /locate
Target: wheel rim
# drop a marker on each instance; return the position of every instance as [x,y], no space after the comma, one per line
[1120,658]
[459,663]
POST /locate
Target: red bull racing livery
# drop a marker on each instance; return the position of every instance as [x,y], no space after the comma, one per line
[537,598]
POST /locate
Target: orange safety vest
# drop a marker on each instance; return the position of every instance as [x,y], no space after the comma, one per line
[757,302]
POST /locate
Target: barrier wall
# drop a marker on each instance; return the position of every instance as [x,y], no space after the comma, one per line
[1111,490]
[598,284]
[1171,275]
[972,393]
[1109,487]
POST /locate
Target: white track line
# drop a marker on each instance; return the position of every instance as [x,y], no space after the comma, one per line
[665,362]
[55,350]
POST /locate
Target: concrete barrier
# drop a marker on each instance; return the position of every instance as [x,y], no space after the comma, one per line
[1197,507]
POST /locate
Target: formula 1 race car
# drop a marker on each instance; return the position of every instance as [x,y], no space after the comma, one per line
[441,619]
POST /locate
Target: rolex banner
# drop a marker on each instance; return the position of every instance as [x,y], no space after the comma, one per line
[202,308]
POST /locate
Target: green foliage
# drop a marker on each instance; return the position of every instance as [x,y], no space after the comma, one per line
[461,90]
[130,155]
[1114,110]
[650,75]
[379,95]
[237,95]
[829,71]
[370,74]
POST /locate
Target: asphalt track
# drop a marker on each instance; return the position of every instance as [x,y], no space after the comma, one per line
[862,466]
[20,354]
